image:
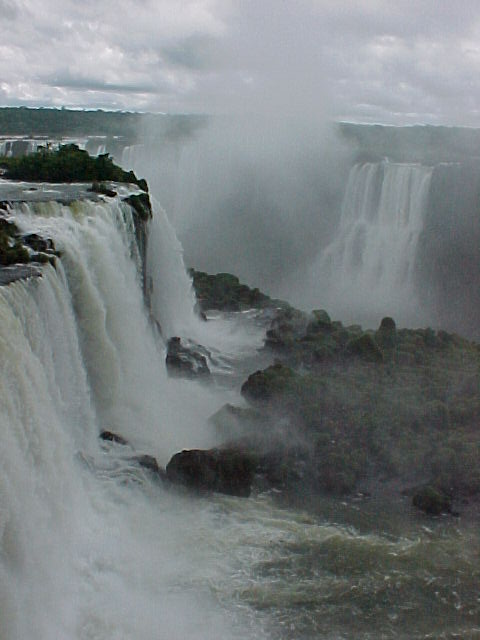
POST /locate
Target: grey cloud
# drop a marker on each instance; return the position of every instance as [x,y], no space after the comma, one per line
[8,10]
[197,52]
[320,56]
[69,81]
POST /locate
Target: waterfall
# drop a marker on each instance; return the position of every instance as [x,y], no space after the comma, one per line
[89,548]
[368,270]
[172,297]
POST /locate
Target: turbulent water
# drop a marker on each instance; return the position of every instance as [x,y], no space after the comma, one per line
[94,548]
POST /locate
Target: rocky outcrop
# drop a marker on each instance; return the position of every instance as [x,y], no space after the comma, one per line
[265,385]
[143,460]
[227,471]
[109,436]
[365,348]
[431,500]
[225,292]
[187,361]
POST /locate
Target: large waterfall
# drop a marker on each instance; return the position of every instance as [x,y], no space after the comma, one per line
[369,268]
[89,547]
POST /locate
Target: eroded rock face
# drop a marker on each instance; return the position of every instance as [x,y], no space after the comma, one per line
[183,360]
[226,471]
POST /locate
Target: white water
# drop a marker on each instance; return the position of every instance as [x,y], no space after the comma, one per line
[368,270]
[89,547]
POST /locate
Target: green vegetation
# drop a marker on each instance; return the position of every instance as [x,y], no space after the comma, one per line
[391,404]
[225,292]
[68,164]
[24,121]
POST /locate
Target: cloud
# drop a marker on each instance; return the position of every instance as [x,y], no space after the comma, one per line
[370,59]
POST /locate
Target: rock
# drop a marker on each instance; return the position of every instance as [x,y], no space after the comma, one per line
[265,385]
[386,334]
[37,243]
[288,325]
[320,322]
[109,436]
[184,360]
[431,500]
[100,187]
[15,272]
[148,462]
[224,291]
[227,471]
[365,348]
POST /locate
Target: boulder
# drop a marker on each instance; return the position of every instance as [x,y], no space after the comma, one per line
[431,500]
[268,383]
[109,436]
[386,334]
[227,471]
[365,348]
[320,322]
[188,361]
[39,244]
[288,325]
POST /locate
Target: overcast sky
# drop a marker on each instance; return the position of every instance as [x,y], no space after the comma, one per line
[395,61]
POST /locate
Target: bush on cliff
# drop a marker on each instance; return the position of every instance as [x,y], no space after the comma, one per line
[67,164]
[225,292]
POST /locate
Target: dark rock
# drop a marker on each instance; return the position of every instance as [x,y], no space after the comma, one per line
[320,322]
[265,385]
[288,325]
[100,187]
[141,205]
[227,471]
[37,243]
[224,291]
[148,462]
[365,348]
[431,500]
[186,360]
[109,436]
[386,334]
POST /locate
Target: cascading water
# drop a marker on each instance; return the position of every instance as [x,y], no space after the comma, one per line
[368,270]
[172,297]
[89,549]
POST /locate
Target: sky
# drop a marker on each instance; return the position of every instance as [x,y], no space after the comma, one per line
[390,61]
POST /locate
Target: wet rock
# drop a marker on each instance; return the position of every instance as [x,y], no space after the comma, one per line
[189,361]
[288,325]
[149,462]
[320,322]
[365,348]
[267,384]
[109,436]
[12,273]
[224,291]
[39,244]
[431,500]
[227,471]
[386,334]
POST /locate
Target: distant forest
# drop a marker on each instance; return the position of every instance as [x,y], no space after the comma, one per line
[26,121]
[427,144]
